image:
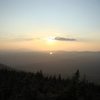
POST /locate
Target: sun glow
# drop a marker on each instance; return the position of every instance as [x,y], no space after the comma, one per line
[50,40]
[51,53]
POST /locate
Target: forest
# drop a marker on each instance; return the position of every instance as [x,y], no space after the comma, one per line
[20,85]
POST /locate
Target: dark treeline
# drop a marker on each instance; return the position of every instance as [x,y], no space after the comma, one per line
[19,85]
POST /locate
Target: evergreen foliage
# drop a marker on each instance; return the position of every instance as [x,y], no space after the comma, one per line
[19,85]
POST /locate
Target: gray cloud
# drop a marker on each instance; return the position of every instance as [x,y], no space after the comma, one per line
[65,39]
[25,39]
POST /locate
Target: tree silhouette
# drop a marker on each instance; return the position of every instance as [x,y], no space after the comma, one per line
[19,85]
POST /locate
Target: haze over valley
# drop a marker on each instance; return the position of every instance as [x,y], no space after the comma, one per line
[60,62]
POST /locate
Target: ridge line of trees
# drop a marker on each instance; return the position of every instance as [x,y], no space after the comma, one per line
[19,85]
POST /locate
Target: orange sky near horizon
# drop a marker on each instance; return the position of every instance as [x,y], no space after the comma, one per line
[49,45]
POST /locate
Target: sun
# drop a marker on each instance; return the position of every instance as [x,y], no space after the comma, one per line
[50,40]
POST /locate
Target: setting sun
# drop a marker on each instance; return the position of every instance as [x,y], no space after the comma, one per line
[50,40]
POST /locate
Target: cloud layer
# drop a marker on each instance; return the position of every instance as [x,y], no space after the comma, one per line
[65,39]
[23,39]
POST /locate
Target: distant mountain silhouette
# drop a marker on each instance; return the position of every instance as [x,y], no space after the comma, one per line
[2,66]
[5,67]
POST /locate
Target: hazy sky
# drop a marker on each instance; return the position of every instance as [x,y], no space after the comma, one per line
[70,25]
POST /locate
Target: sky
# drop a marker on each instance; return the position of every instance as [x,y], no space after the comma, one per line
[41,25]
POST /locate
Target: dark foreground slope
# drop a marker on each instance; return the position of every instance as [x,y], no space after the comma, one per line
[18,85]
